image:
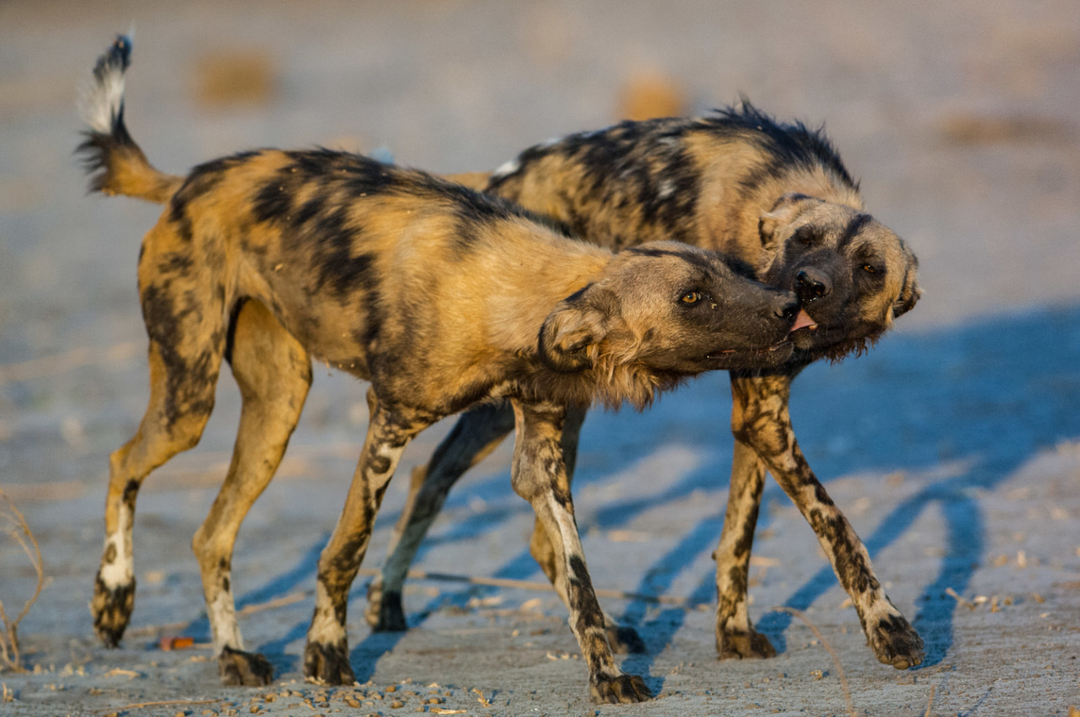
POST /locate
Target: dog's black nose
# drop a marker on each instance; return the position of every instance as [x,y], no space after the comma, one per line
[785,307]
[811,285]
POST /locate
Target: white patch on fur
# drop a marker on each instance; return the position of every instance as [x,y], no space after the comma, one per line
[667,188]
[324,628]
[99,101]
[121,570]
[507,168]
[223,626]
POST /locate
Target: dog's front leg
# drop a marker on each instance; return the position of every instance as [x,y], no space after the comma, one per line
[735,634]
[539,476]
[761,410]
[476,433]
[326,656]
[621,638]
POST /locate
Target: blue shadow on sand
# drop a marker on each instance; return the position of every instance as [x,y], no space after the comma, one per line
[987,395]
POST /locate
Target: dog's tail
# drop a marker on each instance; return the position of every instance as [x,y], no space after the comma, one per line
[115,163]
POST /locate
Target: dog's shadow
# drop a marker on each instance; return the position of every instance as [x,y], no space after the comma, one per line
[988,395]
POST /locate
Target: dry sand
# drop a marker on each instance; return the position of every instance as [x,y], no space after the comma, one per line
[954,446]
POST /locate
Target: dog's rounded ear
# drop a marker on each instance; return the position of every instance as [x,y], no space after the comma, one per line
[571,335]
[783,212]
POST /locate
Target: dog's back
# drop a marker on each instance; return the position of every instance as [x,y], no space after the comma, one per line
[704,181]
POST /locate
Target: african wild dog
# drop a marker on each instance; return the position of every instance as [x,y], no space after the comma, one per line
[776,196]
[440,296]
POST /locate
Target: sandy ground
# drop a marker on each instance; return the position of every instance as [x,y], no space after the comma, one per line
[954,447]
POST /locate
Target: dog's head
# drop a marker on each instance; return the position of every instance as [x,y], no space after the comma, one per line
[851,273]
[671,309]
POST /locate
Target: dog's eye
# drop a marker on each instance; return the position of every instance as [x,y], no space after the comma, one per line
[871,269]
[691,297]
[806,236]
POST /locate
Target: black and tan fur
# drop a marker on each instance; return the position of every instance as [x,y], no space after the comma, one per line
[777,197]
[441,297]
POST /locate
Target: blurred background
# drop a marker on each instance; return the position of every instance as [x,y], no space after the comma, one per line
[960,119]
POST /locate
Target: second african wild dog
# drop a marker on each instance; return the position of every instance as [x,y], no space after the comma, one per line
[440,296]
[776,196]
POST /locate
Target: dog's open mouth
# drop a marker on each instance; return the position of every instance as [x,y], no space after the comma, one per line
[803,320]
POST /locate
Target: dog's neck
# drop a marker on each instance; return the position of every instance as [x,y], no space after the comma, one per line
[528,279]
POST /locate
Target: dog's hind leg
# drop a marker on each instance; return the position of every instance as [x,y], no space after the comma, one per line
[763,404]
[476,434]
[539,476]
[274,373]
[185,321]
[326,656]
[735,635]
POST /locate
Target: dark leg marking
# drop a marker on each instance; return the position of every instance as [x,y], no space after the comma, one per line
[326,656]
[735,635]
[539,476]
[476,433]
[760,418]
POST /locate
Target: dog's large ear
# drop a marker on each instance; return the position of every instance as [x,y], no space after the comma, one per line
[571,335]
[783,212]
[910,292]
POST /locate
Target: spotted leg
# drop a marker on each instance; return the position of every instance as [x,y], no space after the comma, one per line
[735,635]
[274,372]
[326,656]
[476,433]
[760,418]
[622,638]
[539,476]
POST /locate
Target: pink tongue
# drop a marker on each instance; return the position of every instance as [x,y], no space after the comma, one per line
[803,321]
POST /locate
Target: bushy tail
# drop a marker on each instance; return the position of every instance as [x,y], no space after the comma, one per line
[115,163]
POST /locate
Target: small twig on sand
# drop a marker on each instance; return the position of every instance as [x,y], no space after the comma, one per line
[63,362]
[832,653]
[299,595]
[20,533]
[140,705]
[275,603]
[540,586]
[149,630]
[960,599]
[930,702]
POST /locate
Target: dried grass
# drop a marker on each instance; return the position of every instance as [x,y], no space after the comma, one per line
[16,527]
[832,653]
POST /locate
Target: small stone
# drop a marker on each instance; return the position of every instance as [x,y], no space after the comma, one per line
[396,704]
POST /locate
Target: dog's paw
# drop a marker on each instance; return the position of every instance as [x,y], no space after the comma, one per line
[895,642]
[249,669]
[624,639]
[624,689]
[742,645]
[384,611]
[328,663]
[111,608]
